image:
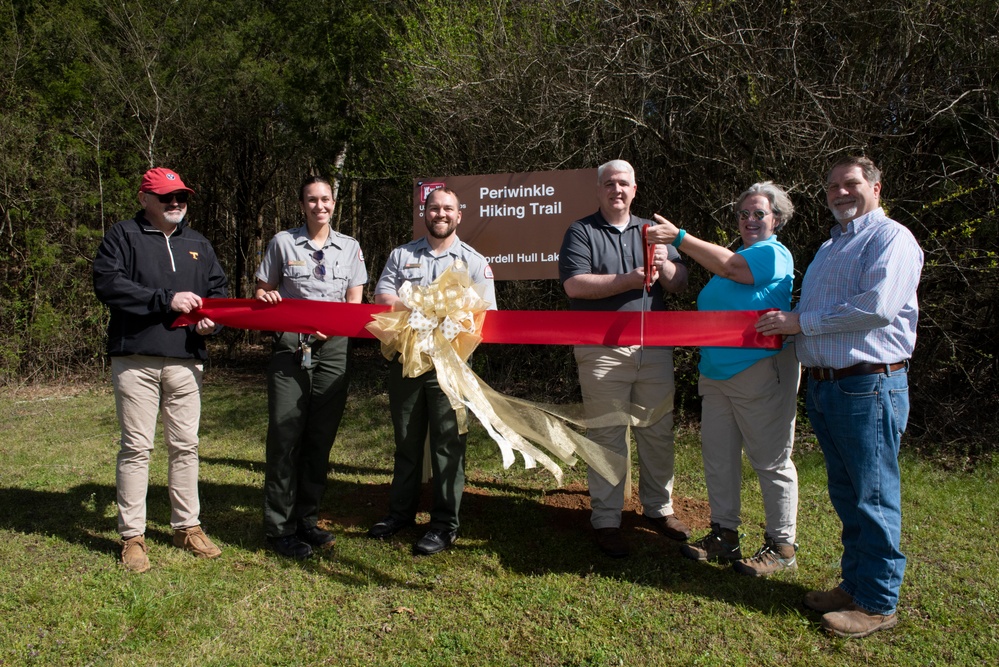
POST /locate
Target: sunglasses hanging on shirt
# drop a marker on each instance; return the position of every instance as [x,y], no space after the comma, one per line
[320,270]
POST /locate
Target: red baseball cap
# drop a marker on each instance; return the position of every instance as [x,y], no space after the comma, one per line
[162,181]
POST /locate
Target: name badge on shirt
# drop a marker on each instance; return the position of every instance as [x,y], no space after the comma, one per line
[412,272]
[296,262]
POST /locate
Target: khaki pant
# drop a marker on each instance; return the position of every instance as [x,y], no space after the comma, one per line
[143,387]
[753,411]
[616,376]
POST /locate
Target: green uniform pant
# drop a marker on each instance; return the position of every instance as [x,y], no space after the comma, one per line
[419,407]
[304,406]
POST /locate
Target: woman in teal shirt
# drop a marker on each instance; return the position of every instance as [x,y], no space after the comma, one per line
[749,395]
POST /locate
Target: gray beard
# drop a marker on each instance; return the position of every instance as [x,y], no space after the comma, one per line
[846,214]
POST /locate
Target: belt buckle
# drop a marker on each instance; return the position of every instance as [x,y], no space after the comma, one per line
[825,374]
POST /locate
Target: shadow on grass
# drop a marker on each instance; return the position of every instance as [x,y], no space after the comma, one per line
[255,465]
[81,515]
[231,514]
[75,516]
[520,526]
[535,536]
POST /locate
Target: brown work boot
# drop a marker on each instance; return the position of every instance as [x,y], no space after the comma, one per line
[770,558]
[133,554]
[827,601]
[720,545]
[670,526]
[193,539]
[611,542]
[854,622]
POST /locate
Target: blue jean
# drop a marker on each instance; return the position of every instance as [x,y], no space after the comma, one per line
[859,422]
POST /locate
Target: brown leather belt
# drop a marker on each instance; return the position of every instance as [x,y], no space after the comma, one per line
[857,369]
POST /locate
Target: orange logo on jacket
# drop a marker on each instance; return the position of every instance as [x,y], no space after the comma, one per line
[193,254]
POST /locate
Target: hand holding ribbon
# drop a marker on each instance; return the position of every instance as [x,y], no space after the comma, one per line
[437,327]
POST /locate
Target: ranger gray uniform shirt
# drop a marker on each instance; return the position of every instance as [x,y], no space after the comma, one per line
[416,263]
[290,264]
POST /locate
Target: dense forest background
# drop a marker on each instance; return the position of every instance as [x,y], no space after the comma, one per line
[246,97]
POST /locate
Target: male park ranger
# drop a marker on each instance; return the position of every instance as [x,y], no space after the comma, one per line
[418,405]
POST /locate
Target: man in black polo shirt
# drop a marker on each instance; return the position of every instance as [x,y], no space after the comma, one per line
[602,267]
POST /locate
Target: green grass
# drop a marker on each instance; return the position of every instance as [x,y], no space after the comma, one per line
[523,586]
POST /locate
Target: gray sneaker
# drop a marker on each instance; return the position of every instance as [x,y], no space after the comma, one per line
[770,558]
[720,544]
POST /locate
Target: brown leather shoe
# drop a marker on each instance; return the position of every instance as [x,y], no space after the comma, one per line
[670,526]
[133,554]
[193,539]
[854,622]
[611,543]
[827,601]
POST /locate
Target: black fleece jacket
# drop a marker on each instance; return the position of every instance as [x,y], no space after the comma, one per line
[138,270]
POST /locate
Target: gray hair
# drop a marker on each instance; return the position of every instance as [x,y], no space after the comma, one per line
[867,167]
[614,165]
[780,203]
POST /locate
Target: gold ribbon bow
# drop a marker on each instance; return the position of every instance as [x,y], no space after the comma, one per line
[437,327]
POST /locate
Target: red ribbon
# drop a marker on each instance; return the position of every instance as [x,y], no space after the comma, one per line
[721,328]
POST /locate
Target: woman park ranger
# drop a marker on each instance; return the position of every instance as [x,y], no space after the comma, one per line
[307,377]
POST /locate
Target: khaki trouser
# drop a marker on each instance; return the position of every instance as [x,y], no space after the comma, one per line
[620,376]
[143,386]
[753,411]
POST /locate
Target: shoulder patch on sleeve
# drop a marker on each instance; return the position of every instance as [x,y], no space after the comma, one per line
[489,272]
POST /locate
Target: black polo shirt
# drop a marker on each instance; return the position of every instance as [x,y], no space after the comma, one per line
[593,245]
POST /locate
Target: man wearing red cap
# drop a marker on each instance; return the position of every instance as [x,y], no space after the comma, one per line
[147,270]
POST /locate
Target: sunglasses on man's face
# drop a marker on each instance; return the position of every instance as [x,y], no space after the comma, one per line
[180,196]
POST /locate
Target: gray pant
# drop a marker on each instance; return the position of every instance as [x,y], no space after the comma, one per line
[754,411]
[143,387]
